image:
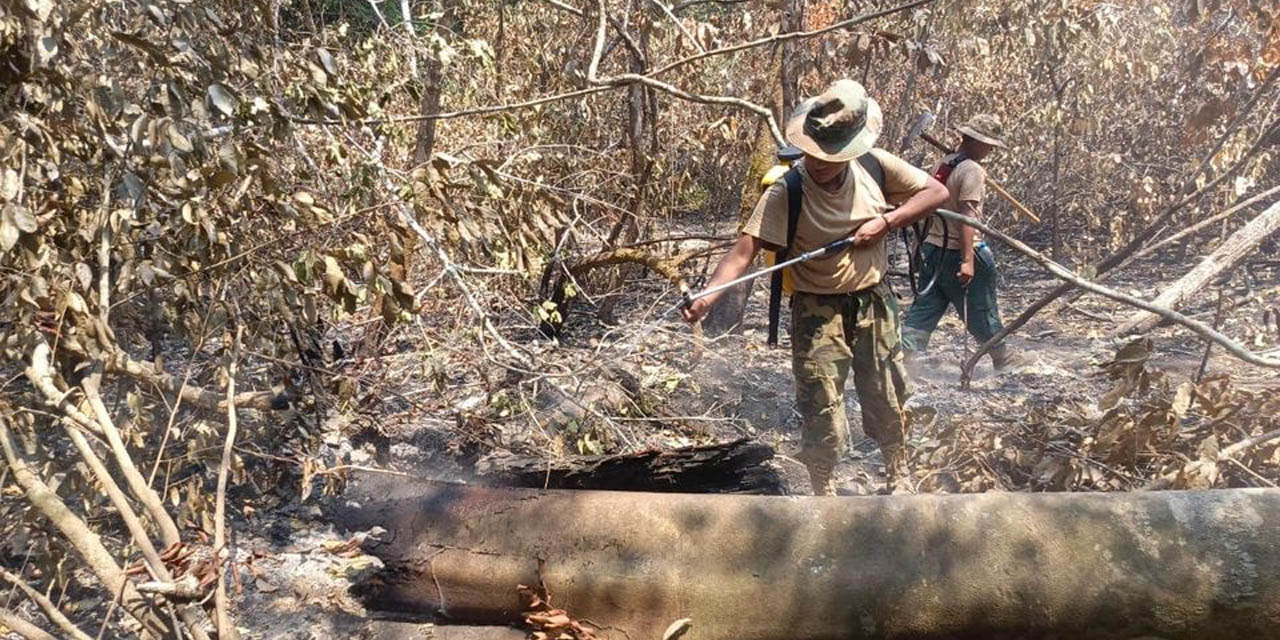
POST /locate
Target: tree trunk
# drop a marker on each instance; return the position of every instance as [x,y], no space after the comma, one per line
[1171,564]
[729,467]
[1225,257]
[727,313]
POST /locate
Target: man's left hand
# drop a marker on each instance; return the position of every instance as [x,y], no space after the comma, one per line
[871,232]
[966,272]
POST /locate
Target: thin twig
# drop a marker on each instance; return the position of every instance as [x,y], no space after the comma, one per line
[226,630]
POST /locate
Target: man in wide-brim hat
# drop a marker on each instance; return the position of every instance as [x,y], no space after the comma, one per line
[844,317]
[960,265]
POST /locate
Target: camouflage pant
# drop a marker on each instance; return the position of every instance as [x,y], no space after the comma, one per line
[830,334]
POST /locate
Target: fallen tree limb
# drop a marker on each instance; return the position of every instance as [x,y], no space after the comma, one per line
[726,467]
[1203,330]
[118,361]
[22,627]
[81,538]
[1224,258]
[46,605]
[994,565]
[1229,453]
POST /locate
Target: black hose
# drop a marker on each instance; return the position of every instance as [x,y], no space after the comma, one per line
[916,259]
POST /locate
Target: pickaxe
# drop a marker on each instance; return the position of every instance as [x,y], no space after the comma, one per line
[918,131]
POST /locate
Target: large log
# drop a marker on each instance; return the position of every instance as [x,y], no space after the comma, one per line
[738,466]
[998,565]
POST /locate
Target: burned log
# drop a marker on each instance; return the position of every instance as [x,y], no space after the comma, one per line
[999,565]
[740,466]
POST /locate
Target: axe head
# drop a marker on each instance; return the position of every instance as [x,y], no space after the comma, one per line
[920,126]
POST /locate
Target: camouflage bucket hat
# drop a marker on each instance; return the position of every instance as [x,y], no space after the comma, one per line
[984,127]
[839,125]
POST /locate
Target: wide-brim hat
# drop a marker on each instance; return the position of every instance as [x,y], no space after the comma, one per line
[837,126]
[985,127]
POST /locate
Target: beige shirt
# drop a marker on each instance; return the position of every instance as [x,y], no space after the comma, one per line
[967,183]
[827,216]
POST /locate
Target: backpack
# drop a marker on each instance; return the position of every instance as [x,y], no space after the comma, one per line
[780,281]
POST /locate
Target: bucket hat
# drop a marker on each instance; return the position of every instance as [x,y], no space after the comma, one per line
[837,126]
[984,127]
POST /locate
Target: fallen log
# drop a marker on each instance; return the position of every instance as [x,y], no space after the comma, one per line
[1240,244]
[727,467]
[1171,564]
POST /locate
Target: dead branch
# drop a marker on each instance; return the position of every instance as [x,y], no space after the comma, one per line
[569,95]
[1203,330]
[1217,217]
[46,605]
[667,267]
[624,79]
[226,630]
[81,537]
[22,627]
[191,617]
[1222,259]
[186,588]
[91,386]
[1229,453]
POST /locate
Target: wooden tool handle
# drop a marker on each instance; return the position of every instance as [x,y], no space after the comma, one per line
[995,186]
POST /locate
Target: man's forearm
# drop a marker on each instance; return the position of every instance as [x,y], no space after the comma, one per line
[967,232]
[966,243]
[918,206]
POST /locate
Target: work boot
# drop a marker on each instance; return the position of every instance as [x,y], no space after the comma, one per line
[1002,358]
[897,477]
[822,482]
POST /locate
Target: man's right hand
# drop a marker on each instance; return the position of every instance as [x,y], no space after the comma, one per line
[695,312]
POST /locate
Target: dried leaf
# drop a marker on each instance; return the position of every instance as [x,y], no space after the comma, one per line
[222,98]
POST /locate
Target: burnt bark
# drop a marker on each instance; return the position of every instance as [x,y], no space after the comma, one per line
[739,466]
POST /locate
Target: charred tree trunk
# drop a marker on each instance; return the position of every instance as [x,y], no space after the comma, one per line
[1222,259]
[731,467]
[1174,564]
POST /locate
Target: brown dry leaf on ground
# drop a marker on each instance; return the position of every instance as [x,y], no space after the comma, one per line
[545,621]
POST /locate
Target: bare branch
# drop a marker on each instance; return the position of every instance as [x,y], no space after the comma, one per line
[632,78]
[226,630]
[50,609]
[1203,330]
[1151,248]
[81,537]
[22,627]
[498,108]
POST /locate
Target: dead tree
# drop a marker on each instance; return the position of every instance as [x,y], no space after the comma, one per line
[1223,259]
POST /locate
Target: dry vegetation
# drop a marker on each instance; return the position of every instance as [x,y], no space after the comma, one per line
[244,242]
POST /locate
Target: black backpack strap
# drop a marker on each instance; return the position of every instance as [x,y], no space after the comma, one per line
[795,191]
[872,164]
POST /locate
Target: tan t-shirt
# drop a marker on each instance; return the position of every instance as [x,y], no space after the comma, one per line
[827,216]
[967,183]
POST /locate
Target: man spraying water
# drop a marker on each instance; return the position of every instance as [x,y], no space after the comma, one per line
[843,314]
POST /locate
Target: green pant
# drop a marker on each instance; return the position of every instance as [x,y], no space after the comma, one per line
[976,303]
[831,334]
